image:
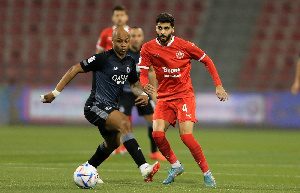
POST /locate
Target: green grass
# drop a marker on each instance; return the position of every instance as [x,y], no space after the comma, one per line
[43,159]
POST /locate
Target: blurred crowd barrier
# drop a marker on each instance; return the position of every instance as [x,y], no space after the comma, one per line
[278,109]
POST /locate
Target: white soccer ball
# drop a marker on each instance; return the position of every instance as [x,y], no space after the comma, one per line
[86,176]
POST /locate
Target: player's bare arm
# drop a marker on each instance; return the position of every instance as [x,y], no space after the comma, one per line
[70,74]
[296,85]
[138,90]
[221,93]
[152,81]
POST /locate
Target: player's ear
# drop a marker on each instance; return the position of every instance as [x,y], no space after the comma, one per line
[173,30]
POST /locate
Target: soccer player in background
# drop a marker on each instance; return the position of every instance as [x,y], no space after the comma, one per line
[119,18]
[110,71]
[296,85]
[171,57]
[127,98]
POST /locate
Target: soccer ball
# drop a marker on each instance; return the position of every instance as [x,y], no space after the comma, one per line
[86,176]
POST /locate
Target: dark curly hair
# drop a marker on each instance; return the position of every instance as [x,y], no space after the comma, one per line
[120,8]
[165,18]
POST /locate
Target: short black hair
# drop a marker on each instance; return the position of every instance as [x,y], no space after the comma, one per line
[165,18]
[119,8]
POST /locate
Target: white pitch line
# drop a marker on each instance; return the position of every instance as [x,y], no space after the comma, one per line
[136,171]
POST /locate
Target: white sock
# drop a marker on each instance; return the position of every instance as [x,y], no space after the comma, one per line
[177,164]
[143,168]
[207,173]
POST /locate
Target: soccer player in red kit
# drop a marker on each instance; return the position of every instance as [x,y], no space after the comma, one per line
[171,57]
[119,18]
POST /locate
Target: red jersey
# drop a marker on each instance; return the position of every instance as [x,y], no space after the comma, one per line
[172,65]
[105,39]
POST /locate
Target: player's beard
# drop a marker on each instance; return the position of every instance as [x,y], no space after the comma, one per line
[166,40]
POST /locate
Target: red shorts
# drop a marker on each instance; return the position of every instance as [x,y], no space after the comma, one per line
[183,109]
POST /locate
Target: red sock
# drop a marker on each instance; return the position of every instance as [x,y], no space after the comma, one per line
[195,149]
[164,146]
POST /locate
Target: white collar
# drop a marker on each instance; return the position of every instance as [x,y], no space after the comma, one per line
[172,40]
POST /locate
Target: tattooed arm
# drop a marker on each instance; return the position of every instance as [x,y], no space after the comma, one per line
[138,90]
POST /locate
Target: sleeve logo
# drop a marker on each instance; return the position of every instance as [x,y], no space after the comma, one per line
[91,59]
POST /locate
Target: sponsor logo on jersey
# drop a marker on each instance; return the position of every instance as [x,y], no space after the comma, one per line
[119,79]
[108,108]
[179,54]
[115,68]
[171,72]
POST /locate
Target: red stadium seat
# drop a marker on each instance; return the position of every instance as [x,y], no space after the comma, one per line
[268,7]
[283,21]
[161,6]
[2,29]
[295,35]
[35,16]
[128,4]
[31,76]
[37,4]
[2,14]
[87,19]
[108,5]
[13,73]
[71,4]
[264,21]
[19,3]
[4,4]
[197,6]
[50,29]
[52,16]
[17,16]
[55,4]
[68,29]
[15,29]
[32,29]
[260,35]
[49,76]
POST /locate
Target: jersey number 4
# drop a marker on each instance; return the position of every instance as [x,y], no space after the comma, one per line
[184,108]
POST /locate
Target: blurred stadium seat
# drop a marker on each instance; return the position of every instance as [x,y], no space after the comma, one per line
[276,30]
[56,34]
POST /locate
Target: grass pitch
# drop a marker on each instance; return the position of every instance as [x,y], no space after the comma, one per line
[43,159]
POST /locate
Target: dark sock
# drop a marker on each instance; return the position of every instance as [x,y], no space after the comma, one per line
[152,142]
[101,154]
[134,149]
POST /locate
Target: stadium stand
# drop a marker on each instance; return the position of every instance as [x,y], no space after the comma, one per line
[52,35]
[43,38]
[274,48]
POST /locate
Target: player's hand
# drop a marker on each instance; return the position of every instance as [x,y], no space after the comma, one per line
[149,89]
[295,87]
[47,98]
[221,94]
[141,100]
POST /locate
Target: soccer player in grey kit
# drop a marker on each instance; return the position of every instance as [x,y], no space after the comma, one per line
[110,71]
